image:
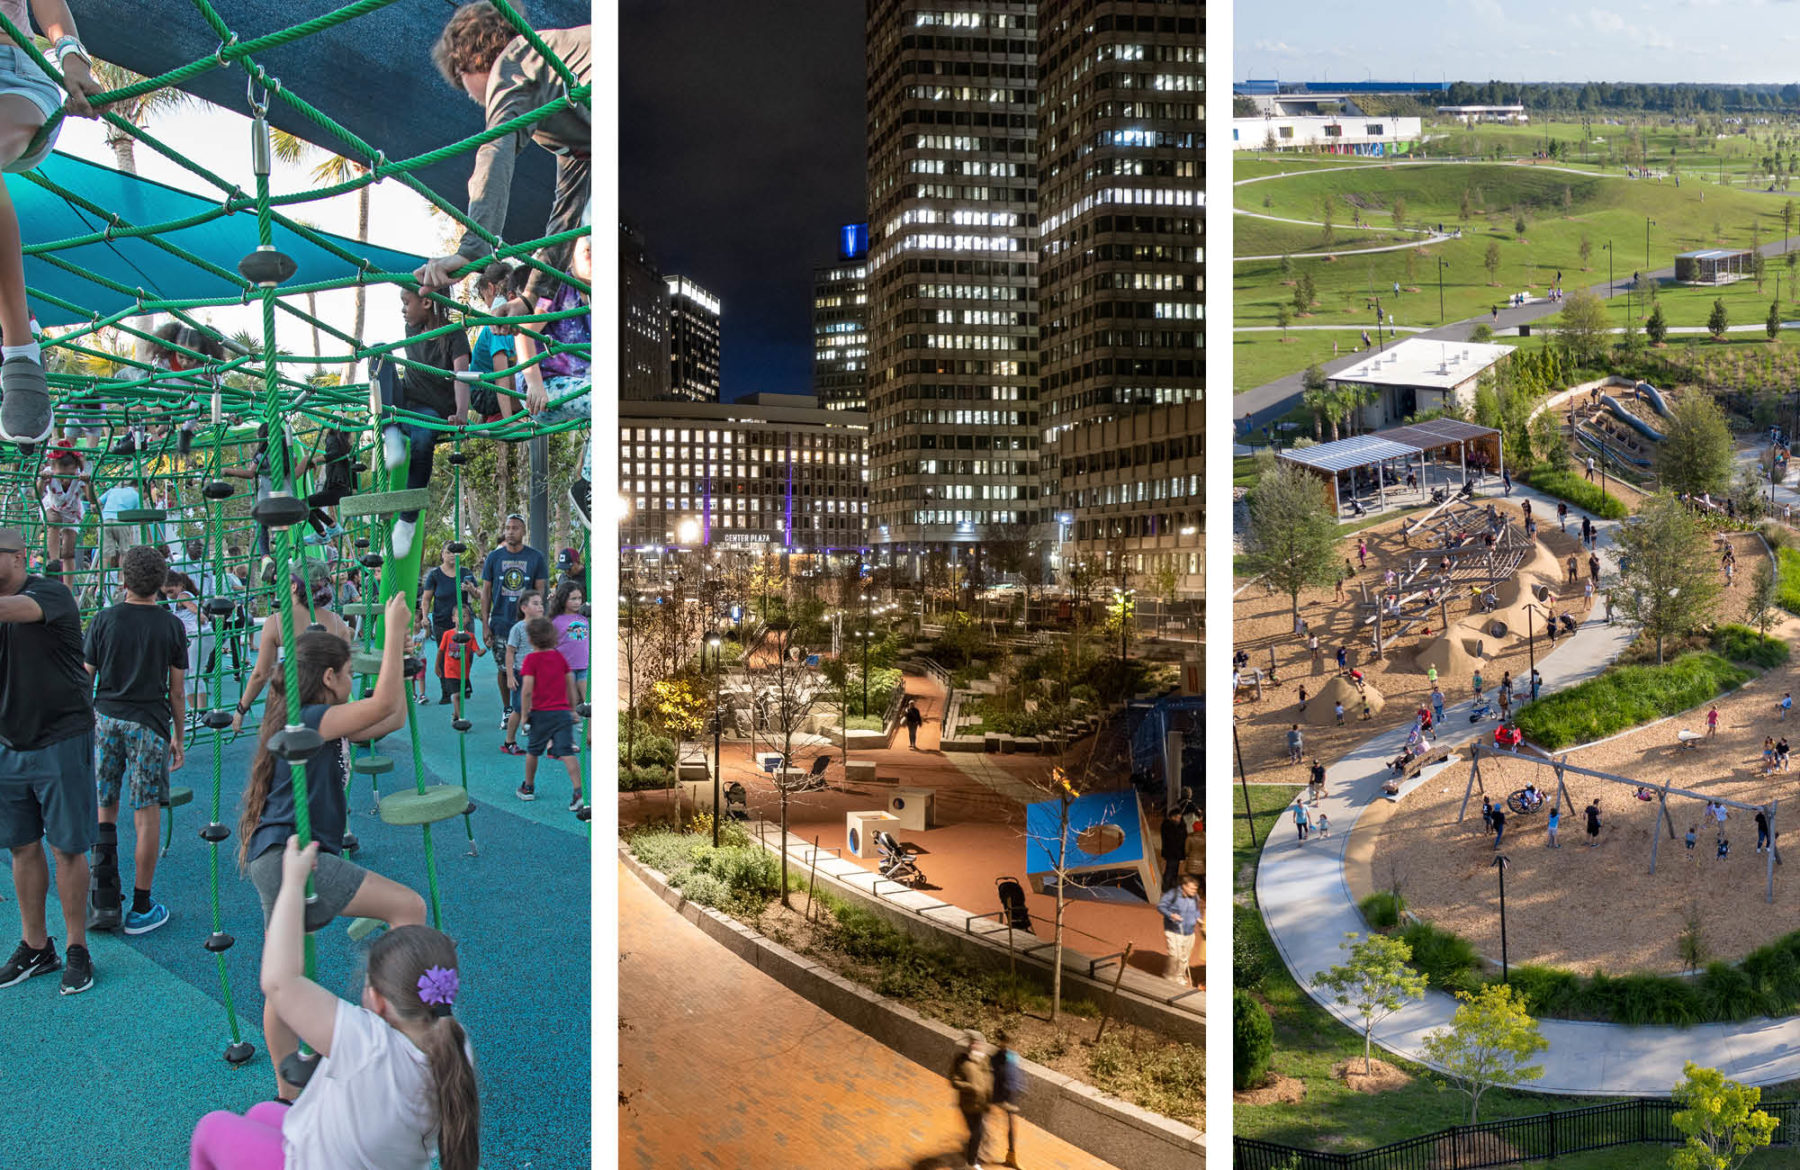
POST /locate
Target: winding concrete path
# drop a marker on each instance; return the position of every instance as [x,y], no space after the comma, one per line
[1306,902]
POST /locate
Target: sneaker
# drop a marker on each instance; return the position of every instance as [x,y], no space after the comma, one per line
[503,718]
[512,749]
[578,496]
[575,803]
[526,792]
[146,922]
[444,702]
[78,974]
[25,414]
[402,541]
[103,920]
[424,699]
[26,962]
[393,448]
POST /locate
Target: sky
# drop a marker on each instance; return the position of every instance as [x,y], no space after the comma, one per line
[742,152]
[220,141]
[1520,40]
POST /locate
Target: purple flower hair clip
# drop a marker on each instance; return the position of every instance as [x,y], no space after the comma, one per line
[438,988]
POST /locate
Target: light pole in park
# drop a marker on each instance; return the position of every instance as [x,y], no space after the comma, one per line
[1500,864]
[1531,635]
[1442,264]
[1648,224]
[713,641]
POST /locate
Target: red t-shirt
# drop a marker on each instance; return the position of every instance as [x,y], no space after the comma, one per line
[453,654]
[551,670]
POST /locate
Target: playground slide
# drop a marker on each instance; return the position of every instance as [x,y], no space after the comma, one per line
[1610,450]
[1654,397]
[1632,420]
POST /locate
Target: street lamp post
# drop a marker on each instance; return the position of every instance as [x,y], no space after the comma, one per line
[1442,264]
[713,641]
[865,654]
[1500,864]
[1249,813]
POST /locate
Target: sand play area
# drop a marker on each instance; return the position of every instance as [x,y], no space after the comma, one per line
[1599,908]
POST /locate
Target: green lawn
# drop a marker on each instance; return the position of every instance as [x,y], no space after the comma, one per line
[1251,236]
[1600,208]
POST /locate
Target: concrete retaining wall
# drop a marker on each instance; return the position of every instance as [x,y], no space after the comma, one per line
[1079,1114]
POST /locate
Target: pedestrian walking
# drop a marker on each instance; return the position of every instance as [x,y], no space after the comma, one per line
[1506,482]
[1562,517]
[1593,824]
[1180,908]
[913,718]
[1574,569]
[1362,553]
[1762,830]
[972,1077]
[1590,469]
[1537,683]
[1009,1086]
[1324,825]
[1499,825]
[1294,742]
[1338,710]
[1343,656]
[1594,566]
[1312,643]
[1437,704]
[1300,819]
[1587,595]
[1712,721]
[1487,815]
[1787,704]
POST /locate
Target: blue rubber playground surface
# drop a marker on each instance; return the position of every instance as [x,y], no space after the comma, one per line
[118,1076]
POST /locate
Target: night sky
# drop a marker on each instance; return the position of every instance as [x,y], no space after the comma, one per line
[742,151]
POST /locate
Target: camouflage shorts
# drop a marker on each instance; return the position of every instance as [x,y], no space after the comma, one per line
[131,757]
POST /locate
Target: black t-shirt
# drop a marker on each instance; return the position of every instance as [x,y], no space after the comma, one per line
[43,682]
[1593,820]
[327,777]
[441,588]
[422,388]
[132,648]
[512,574]
[340,471]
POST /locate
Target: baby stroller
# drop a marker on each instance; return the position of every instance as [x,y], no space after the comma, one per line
[1569,624]
[896,863]
[1481,710]
[1012,903]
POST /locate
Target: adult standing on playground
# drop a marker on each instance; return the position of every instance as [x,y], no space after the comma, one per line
[482,54]
[46,765]
[913,719]
[1180,906]
[439,596]
[311,595]
[29,98]
[509,572]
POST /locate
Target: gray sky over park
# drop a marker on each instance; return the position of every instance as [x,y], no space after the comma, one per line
[1721,41]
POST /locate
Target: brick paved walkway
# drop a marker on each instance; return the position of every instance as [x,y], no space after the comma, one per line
[722,1067]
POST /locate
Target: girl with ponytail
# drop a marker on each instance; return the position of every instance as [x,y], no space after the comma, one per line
[396,1085]
[322,661]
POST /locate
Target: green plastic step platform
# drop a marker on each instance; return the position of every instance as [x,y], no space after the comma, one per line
[373,766]
[361,609]
[440,802]
[386,503]
[361,663]
[179,797]
[361,928]
[140,516]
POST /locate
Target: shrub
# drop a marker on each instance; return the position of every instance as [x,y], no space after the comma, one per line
[1567,485]
[1626,696]
[633,778]
[1743,644]
[1448,960]
[1249,962]
[1383,909]
[1787,585]
[1252,1040]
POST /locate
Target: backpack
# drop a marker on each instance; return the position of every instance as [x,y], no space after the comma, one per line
[339,472]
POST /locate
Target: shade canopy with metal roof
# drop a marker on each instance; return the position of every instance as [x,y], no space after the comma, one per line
[1403,444]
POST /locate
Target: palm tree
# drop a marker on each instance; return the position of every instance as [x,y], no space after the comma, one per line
[338,169]
[137,110]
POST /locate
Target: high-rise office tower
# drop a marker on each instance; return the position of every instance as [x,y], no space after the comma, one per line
[644,333]
[1119,286]
[693,341]
[841,323]
[953,367]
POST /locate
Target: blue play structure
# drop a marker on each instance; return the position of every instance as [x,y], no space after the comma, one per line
[1123,873]
[1654,397]
[1631,420]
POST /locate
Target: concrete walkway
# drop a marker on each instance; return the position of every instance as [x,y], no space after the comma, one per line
[1307,905]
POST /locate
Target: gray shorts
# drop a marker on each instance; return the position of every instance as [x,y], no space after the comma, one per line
[20,75]
[49,795]
[335,881]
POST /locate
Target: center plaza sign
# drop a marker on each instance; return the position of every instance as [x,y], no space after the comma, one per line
[747,538]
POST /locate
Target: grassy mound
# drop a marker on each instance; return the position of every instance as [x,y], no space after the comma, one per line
[1626,696]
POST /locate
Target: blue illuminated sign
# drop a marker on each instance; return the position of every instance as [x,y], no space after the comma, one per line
[853,241]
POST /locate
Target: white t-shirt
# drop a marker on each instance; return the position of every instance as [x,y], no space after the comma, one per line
[369,1105]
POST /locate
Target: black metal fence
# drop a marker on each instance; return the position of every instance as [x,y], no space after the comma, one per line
[1506,1142]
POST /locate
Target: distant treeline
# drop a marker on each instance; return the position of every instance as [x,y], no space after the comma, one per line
[1598,97]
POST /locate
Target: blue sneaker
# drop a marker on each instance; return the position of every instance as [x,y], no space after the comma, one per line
[148,921]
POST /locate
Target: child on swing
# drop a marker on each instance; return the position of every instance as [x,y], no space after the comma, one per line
[322,661]
[396,1082]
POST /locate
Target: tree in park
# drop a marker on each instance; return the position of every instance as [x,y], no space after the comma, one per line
[1283,316]
[1252,1040]
[1547,441]
[1759,607]
[1668,585]
[1759,268]
[1519,222]
[1720,321]
[1489,1039]
[1719,1119]
[1399,211]
[1787,218]
[1314,395]
[1793,267]
[1327,216]
[1292,542]
[1491,261]
[1375,983]
[1772,323]
[1657,327]
[1585,250]
[1287,268]
[1463,209]
[1303,294]
[1582,326]
[787,690]
[1695,455]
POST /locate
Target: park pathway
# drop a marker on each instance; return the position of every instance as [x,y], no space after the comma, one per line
[721,1067]
[1306,902]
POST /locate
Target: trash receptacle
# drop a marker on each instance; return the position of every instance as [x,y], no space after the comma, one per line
[1524,330]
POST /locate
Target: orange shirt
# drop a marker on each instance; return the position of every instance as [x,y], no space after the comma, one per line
[453,654]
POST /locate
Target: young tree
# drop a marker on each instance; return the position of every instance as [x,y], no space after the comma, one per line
[1720,1120]
[1759,607]
[1293,536]
[1303,294]
[1287,268]
[1399,211]
[1759,267]
[1285,315]
[787,692]
[1668,585]
[1491,261]
[1519,222]
[1720,321]
[1489,1039]
[1582,326]
[1463,209]
[1547,442]
[1787,218]
[1585,249]
[1657,327]
[1315,395]
[1376,982]
[1695,455]
[1327,214]
[1772,323]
